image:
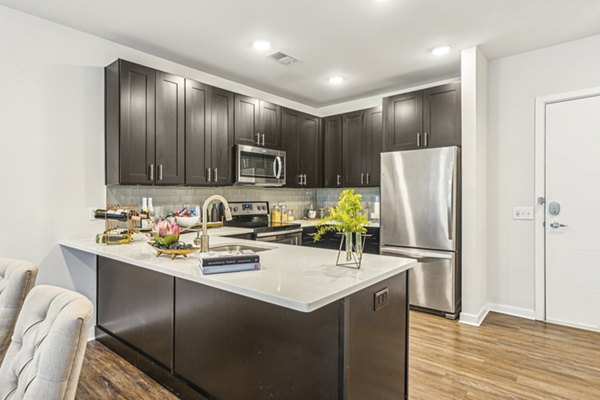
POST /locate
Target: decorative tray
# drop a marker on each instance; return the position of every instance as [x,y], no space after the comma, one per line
[173,253]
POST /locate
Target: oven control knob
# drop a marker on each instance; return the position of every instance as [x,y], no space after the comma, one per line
[234,209]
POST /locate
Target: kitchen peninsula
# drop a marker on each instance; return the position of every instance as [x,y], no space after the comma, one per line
[300,328]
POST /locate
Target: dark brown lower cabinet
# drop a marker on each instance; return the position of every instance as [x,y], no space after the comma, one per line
[205,343]
[136,305]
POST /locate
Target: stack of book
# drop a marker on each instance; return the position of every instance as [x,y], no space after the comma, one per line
[218,262]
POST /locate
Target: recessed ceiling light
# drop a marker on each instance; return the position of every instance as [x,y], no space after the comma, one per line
[336,80]
[440,51]
[261,45]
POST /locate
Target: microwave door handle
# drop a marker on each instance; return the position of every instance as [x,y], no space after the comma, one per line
[279,167]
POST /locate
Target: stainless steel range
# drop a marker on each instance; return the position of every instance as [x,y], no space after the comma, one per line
[255,215]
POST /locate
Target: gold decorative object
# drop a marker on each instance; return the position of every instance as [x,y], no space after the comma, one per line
[173,253]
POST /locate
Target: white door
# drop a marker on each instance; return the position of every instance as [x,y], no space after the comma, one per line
[573,212]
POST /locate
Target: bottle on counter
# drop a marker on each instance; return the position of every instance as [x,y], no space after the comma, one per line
[290,215]
[150,209]
[311,213]
[214,213]
[283,209]
[275,215]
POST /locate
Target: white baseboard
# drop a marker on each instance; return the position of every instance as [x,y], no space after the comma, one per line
[92,334]
[474,319]
[514,311]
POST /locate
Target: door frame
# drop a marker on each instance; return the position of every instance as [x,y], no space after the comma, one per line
[540,191]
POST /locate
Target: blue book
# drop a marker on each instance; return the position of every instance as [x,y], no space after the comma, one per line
[222,269]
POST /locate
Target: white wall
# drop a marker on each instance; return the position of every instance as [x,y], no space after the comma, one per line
[474,193]
[52,140]
[514,83]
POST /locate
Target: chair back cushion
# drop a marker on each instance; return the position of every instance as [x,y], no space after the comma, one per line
[44,358]
[16,280]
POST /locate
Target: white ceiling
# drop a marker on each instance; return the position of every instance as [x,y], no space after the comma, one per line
[378,46]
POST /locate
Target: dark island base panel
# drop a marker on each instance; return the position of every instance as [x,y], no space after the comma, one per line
[229,347]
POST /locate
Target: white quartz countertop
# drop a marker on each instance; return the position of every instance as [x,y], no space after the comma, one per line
[296,277]
[305,223]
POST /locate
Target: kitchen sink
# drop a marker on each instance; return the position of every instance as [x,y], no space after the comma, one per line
[239,247]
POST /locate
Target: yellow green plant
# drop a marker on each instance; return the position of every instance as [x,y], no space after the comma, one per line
[347,216]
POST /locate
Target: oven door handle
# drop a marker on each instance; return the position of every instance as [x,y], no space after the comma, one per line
[278,233]
[279,167]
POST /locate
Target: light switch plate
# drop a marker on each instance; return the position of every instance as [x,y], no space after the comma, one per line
[523,213]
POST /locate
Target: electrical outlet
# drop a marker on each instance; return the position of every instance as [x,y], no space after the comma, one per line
[381,299]
[92,213]
[523,213]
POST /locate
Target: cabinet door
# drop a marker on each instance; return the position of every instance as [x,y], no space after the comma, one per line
[246,120]
[441,116]
[403,129]
[310,150]
[290,128]
[170,129]
[374,145]
[137,135]
[270,125]
[136,305]
[197,132]
[222,136]
[353,144]
[332,151]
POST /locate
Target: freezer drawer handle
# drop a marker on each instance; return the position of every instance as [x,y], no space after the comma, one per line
[416,254]
[451,199]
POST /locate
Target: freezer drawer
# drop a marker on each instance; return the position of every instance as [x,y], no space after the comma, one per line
[434,284]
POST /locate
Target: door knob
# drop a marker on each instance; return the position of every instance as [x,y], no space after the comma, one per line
[556,225]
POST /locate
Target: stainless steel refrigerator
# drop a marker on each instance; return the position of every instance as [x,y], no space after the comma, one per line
[420,219]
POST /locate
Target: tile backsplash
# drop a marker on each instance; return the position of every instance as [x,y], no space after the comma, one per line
[175,197]
[329,197]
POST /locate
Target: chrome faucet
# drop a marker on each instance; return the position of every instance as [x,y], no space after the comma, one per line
[203,240]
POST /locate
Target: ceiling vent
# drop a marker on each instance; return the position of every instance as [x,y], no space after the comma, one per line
[282,58]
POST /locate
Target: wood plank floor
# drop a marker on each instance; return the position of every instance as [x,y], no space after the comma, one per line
[506,358]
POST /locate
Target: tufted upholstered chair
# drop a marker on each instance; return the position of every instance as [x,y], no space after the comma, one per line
[44,358]
[16,280]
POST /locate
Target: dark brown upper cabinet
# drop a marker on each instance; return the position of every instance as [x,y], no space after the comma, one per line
[403,128]
[354,126]
[441,116]
[301,134]
[362,134]
[209,134]
[257,122]
[332,151]
[170,129]
[222,136]
[145,130]
[426,118]
[374,137]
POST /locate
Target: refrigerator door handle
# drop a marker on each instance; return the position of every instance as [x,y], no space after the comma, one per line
[417,254]
[451,200]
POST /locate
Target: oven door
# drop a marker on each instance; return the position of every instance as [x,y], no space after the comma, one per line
[259,166]
[284,237]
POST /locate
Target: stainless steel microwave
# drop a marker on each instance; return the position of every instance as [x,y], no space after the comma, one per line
[259,166]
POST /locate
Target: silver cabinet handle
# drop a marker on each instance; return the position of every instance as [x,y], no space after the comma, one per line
[258,139]
[368,178]
[151,172]
[208,174]
[216,175]
[304,179]
[418,140]
[263,139]
[160,172]
[339,179]
[362,179]
[300,179]
[426,139]
[556,225]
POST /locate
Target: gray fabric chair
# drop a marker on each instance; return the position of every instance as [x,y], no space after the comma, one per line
[16,280]
[45,356]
